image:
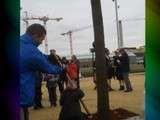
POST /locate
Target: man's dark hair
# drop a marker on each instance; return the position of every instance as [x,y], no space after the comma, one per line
[52,50]
[36,29]
[93,44]
[122,50]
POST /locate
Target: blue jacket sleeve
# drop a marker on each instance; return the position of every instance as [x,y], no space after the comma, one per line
[38,61]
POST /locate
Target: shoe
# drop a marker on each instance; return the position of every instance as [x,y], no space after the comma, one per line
[41,106]
[36,107]
[121,88]
[55,104]
[110,89]
[51,105]
[128,91]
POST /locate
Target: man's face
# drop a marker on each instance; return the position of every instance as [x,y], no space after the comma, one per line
[39,38]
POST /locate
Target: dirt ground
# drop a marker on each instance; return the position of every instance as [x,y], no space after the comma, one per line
[132,101]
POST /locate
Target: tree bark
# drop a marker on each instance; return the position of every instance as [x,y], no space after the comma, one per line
[102,91]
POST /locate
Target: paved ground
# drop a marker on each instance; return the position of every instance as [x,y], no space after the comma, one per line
[132,101]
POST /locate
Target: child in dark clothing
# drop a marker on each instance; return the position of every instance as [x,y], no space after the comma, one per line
[53,80]
[51,85]
[69,101]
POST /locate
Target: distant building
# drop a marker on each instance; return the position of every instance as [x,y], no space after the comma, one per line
[86,60]
[132,57]
[133,53]
[139,52]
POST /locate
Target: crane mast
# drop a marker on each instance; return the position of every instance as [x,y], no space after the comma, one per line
[44,19]
[69,33]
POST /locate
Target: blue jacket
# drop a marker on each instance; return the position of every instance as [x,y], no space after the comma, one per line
[31,60]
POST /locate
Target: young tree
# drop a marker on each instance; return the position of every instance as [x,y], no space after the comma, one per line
[102,91]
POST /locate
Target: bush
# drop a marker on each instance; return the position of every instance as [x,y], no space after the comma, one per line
[136,68]
[88,71]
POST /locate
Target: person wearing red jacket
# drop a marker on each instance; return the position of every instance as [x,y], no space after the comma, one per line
[77,62]
[72,70]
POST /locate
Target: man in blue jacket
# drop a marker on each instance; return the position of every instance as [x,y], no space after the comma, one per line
[32,60]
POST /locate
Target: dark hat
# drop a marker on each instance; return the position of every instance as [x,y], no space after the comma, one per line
[93,44]
[52,50]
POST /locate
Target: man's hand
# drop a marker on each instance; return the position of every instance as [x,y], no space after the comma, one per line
[49,76]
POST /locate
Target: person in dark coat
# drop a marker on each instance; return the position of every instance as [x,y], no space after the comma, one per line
[54,57]
[94,75]
[118,69]
[109,69]
[94,68]
[63,76]
[53,80]
[38,91]
[69,101]
[51,86]
[124,60]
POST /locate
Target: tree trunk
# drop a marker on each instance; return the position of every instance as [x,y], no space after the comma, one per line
[102,91]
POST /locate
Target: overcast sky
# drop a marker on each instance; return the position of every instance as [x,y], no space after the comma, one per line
[77,14]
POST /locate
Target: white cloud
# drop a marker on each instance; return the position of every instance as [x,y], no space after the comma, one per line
[77,13]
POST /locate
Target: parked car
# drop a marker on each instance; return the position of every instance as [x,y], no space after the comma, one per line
[140,61]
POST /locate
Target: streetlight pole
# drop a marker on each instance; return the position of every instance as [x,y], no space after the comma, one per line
[116,10]
[121,33]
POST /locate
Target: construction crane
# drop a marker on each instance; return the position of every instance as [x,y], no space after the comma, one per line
[44,19]
[133,19]
[69,33]
[25,19]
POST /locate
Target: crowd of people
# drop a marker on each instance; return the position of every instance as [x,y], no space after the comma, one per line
[117,69]
[56,71]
